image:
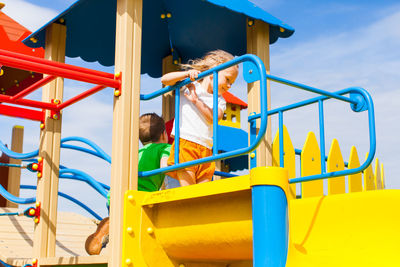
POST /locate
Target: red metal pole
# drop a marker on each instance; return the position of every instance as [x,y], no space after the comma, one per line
[80,96]
[24,113]
[33,87]
[56,64]
[58,71]
[29,103]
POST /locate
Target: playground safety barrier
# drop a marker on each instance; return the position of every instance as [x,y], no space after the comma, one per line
[256,61]
[65,173]
[254,70]
[270,228]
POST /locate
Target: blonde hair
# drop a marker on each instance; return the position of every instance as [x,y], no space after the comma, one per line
[208,61]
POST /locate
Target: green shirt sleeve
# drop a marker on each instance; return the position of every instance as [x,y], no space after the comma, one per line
[166,151]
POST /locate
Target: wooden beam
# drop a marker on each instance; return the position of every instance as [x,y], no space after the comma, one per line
[125,140]
[258,44]
[168,99]
[49,150]
[14,174]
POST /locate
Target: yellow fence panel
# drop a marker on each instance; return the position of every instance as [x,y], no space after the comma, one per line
[355,180]
[369,178]
[335,163]
[311,165]
[377,176]
[288,157]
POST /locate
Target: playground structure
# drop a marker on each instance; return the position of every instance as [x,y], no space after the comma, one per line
[257,219]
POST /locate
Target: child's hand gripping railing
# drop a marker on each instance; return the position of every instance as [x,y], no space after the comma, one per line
[257,63]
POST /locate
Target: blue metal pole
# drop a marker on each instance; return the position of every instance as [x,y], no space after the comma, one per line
[322,135]
[281,148]
[177,104]
[270,218]
[253,134]
[215,112]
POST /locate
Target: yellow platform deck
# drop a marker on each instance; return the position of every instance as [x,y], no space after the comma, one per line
[210,224]
[357,229]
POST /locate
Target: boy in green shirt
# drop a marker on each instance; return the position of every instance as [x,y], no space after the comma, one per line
[153,155]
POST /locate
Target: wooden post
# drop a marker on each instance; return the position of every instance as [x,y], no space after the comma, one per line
[168,100]
[14,174]
[49,150]
[125,141]
[258,44]
[4,177]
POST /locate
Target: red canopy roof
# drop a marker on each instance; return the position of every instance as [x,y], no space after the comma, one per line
[12,33]
[230,98]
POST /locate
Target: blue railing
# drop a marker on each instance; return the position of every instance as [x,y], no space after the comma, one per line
[259,65]
[360,100]
[269,202]
[64,173]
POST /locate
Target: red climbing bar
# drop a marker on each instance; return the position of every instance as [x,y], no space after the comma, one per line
[81,96]
[33,87]
[56,64]
[29,103]
[54,70]
[58,71]
[24,113]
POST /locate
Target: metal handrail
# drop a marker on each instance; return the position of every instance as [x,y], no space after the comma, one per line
[54,70]
[64,173]
[359,99]
[214,71]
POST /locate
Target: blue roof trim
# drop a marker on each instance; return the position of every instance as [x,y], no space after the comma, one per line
[40,34]
[253,11]
[214,24]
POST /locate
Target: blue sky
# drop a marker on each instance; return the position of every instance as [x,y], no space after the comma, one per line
[337,44]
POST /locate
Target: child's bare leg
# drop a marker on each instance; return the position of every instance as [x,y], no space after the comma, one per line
[186,177]
[204,180]
[95,242]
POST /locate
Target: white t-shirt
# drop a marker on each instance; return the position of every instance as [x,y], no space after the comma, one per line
[193,126]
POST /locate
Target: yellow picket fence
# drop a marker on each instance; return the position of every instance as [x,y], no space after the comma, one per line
[310,164]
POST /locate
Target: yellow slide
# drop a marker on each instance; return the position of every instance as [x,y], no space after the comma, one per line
[357,229]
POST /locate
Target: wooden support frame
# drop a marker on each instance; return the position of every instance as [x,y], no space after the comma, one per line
[14,174]
[125,140]
[49,150]
[168,99]
[258,44]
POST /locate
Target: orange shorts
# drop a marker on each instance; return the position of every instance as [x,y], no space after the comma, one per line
[189,151]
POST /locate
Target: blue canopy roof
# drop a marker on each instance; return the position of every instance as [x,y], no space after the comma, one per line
[194,27]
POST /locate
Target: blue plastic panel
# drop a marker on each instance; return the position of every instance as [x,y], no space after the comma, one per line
[195,27]
[250,72]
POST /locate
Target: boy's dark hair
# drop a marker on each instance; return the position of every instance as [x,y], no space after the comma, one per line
[151,127]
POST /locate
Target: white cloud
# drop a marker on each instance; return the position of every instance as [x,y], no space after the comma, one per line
[366,57]
[27,14]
